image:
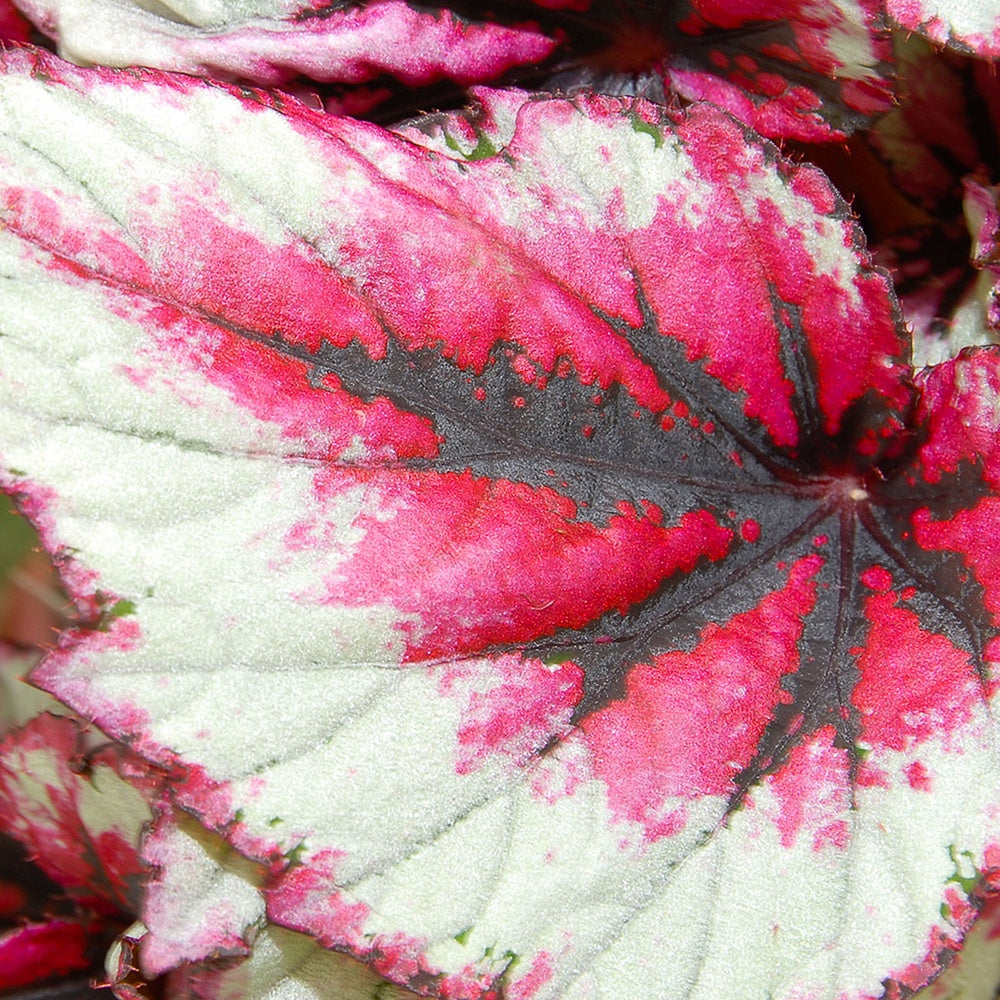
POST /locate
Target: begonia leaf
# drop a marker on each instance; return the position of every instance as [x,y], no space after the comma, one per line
[792,69]
[543,557]
[937,290]
[939,147]
[275,42]
[944,127]
[204,925]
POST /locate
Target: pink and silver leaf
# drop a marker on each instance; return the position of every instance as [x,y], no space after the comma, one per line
[944,127]
[798,69]
[547,560]
[277,43]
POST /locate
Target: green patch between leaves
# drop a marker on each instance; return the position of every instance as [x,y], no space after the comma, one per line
[638,125]
[483,151]
[16,537]
[969,884]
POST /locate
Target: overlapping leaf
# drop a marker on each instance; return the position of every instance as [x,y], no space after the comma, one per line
[798,69]
[544,552]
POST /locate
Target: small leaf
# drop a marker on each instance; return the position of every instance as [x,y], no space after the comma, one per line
[286,966]
[82,828]
[35,953]
[204,902]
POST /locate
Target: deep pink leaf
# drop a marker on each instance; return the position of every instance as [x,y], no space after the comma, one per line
[36,953]
[542,555]
[13,26]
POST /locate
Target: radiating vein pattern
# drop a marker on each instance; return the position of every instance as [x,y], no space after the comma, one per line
[544,559]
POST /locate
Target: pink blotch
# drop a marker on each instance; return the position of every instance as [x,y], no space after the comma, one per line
[547,570]
[965,533]
[691,721]
[223,273]
[958,409]
[750,530]
[918,777]
[77,240]
[869,776]
[815,187]
[306,898]
[322,418]
[530,704]
[877,578]
[526,986]
[813,791]
[915,684]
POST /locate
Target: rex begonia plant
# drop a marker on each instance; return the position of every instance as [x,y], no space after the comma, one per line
[512,549]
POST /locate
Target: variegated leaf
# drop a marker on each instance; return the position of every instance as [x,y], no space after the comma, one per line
[544,554]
